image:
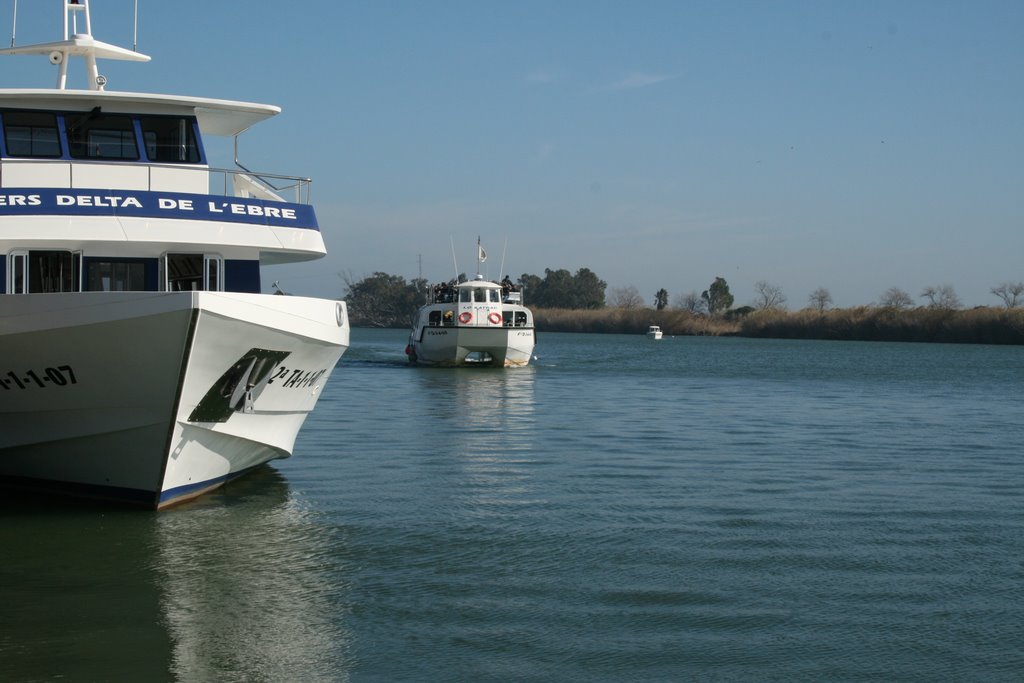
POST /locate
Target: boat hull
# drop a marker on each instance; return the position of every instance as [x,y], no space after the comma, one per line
[157,397]
[457,346]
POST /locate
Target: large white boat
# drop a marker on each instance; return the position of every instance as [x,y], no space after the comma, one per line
[138,359]
[476,322]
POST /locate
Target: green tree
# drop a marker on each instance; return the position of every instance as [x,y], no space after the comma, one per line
[588,289]
[557,290]
[717,297]
[661,299]
[530,286]
[561,289]
[383,300]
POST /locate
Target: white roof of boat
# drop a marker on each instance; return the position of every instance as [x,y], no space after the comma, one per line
[479,283]
[216,117]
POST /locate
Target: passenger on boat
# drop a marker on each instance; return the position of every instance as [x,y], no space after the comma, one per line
[442,293]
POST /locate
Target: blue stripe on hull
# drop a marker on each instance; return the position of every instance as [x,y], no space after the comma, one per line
[180,494]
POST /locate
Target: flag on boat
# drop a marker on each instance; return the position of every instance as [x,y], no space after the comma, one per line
[482,256]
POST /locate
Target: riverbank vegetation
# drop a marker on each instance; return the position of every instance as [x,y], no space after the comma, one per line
[863,323]
[984,325]
[575,302]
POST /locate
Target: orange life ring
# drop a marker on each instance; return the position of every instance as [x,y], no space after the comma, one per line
[495,318]
[465,317]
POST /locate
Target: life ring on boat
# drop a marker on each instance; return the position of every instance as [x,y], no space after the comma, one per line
[494,318]
[465,317]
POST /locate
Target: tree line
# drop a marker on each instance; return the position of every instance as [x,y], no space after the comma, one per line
[385,300]
[567,301]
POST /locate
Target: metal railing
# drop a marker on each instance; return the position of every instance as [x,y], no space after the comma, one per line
[232,182]
[279,185]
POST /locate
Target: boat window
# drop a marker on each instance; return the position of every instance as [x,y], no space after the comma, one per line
[116,276]
[189,272]
[101,136]
[184,272]
[466,295]
[169,139]
[43,272]
[31,134]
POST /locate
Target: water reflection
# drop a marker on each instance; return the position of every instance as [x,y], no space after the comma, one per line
[489,411]
[79,595]
[487,427]
[240,585]
[245,591]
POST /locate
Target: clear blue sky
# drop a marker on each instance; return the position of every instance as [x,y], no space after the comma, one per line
[854,146]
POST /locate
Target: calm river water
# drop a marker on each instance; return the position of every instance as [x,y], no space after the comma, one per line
[621,510]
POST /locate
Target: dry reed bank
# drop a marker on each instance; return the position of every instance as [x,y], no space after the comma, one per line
[865,323]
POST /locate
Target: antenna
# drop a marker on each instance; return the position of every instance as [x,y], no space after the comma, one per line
[135,33]
[451,240]
[14,22]
[504,248]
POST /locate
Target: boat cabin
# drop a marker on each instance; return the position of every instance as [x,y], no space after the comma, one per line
[476,303]
[103,191]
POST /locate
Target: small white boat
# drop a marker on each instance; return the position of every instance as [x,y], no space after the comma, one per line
[138,359]
[654,332]
[477,322]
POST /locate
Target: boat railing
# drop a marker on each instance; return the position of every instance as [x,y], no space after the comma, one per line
[154,177]
[241,183]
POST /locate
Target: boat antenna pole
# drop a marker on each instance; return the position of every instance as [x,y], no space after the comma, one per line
[504,248]
[135,34]
[451,241]
[14,22]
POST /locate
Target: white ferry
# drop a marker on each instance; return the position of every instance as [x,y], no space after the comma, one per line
[476,322]
[138,359]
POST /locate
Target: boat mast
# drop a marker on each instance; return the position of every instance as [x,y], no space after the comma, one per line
[72,8]
[76,43]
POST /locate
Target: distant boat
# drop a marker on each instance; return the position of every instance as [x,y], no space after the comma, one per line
[477,322]
[654,332]
[140,362]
